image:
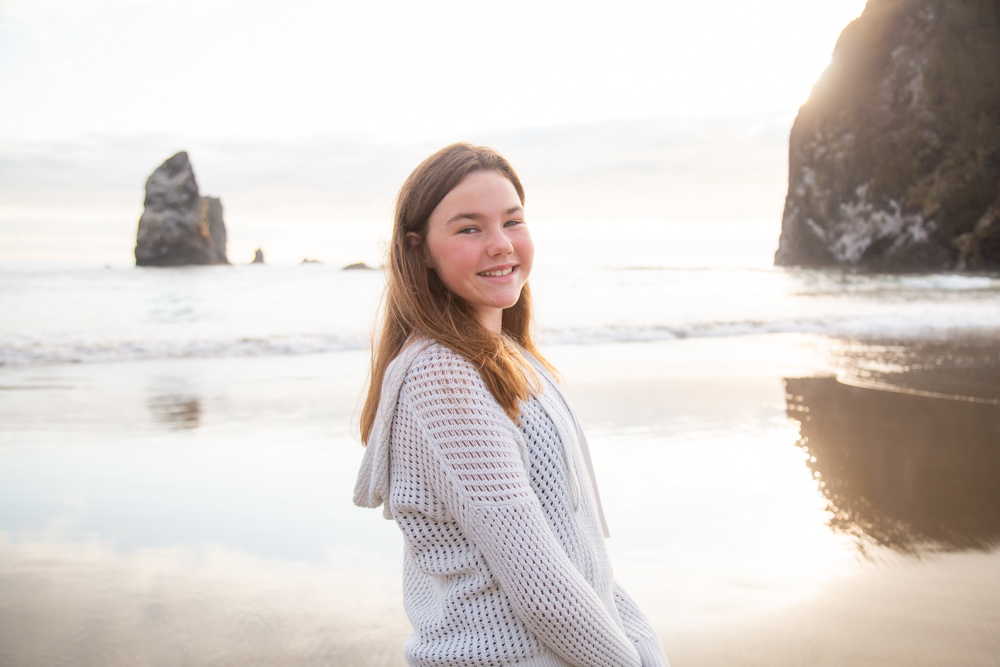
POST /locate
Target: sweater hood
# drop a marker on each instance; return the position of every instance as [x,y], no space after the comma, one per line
[372,487]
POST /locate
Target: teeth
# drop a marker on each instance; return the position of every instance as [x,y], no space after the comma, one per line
[497,273]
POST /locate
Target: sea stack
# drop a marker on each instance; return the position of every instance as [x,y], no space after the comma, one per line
[894,161]
[178,226]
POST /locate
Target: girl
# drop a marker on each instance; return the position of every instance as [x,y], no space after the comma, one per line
[473,449]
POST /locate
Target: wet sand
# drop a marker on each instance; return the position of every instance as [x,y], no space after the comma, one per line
[902,441]
[939,610]
[197,511]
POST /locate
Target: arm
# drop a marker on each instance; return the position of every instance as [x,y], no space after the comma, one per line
[639,630]
[485,486]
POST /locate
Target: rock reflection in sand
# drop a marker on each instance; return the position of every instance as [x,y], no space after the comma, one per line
[913,472]
[176,411]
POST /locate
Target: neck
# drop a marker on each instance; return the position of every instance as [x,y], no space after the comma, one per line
[492,319]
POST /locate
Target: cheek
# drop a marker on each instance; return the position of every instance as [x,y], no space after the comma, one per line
[451,259]
[526,251]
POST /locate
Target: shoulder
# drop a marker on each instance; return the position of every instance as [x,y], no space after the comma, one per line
[440,381]
[442,367]
[425,361]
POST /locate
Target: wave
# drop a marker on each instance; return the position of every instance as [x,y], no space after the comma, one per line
[74,353]
[836,279]
[874,328]
[950,282]
[862,328]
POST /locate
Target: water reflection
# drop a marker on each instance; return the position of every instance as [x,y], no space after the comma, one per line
[911,472]
[177,411]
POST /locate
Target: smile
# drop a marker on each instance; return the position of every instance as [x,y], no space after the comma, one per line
[496,274]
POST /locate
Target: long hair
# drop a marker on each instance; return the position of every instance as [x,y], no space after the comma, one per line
[416,301]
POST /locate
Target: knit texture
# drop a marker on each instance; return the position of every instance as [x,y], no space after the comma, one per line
[505,561]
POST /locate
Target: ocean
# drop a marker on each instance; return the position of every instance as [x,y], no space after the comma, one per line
[794,463]
[608,282]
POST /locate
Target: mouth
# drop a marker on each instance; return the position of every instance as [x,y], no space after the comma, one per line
[497,273]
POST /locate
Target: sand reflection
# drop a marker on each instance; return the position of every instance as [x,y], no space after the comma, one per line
[908,471]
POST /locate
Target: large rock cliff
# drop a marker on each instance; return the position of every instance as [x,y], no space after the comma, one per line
[178,226]
[894,161]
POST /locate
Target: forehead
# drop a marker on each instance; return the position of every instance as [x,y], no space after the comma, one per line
[481,190]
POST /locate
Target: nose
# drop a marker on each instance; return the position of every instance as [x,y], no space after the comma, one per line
[499,243]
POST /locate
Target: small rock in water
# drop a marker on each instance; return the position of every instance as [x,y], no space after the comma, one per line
[358,266]
[178,226]
[258,256]
[310,261]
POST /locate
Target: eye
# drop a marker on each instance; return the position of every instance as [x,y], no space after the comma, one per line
[511,223]
[468,230]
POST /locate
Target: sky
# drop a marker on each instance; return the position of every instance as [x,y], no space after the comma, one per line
[670,109]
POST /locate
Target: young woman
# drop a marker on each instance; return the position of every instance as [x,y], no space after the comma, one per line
[473,449]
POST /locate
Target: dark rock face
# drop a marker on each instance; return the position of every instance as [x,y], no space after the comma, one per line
[258,256]
[178,226]
[894,162]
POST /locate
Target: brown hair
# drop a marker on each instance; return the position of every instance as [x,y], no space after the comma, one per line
[416,301]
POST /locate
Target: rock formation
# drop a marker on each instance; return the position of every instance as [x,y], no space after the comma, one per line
[258,256]
[894,161]
[178,226]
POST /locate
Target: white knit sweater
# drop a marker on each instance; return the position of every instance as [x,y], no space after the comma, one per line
[505,562]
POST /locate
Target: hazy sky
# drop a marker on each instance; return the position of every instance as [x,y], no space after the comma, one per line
[399,69]
[658,110]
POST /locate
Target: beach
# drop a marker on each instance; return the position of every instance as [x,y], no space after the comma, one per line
[797,467]
[760,243]
[197,510]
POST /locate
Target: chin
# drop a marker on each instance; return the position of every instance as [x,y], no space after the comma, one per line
[510,303]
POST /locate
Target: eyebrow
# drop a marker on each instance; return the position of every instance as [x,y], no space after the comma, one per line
[477,216]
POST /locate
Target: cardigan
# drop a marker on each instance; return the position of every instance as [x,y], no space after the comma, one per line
[504,559]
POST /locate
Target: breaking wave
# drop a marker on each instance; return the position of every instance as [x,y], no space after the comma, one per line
[890,325]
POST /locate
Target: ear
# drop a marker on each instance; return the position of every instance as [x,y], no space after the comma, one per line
[415,240]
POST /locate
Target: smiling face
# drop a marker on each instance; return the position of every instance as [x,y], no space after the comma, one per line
[479,245]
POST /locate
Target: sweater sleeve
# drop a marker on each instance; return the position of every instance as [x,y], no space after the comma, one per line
[639,630]
[486,487]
